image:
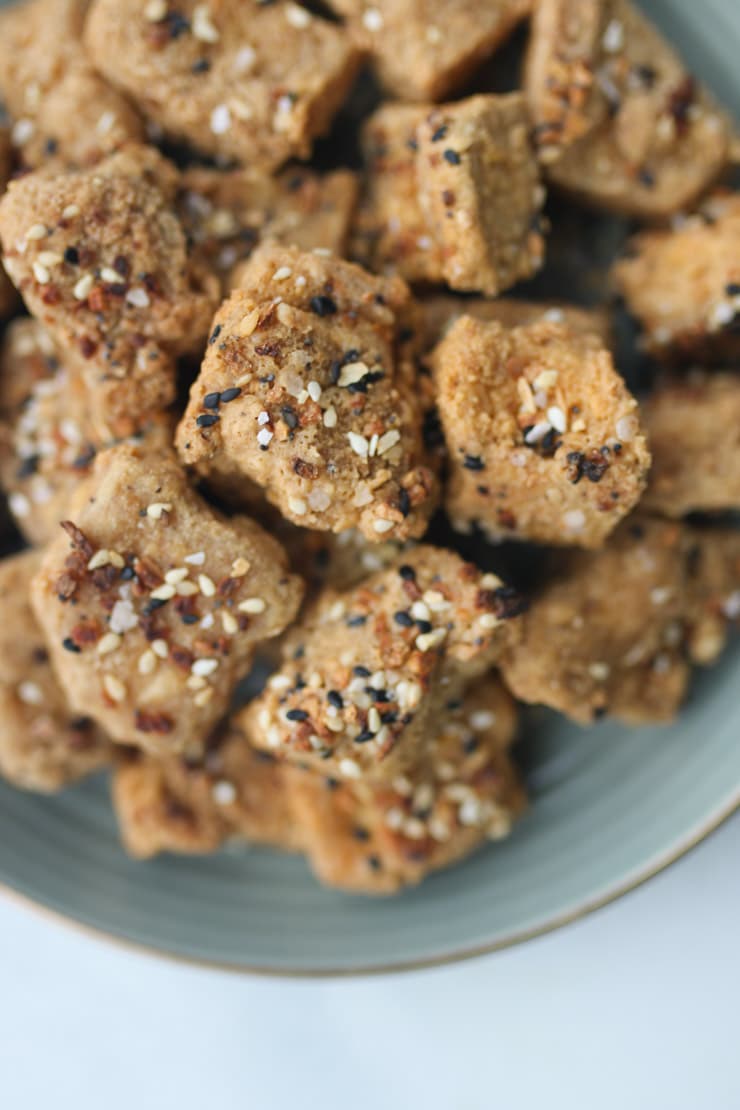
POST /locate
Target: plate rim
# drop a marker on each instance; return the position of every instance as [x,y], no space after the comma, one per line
[583,909]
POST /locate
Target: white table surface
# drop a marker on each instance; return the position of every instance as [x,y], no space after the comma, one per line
[634,1007]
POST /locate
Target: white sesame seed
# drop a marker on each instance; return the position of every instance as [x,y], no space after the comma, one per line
[22,131]
[660,595]
[438,829]
[372,20]
[220,119]
[482,718]
[139,298]
[436,601]
[202,25]
[349,768]
[42,275]
[297,17]
[109,275]
[490,582]
[240,567]
[488,621]
[155,510]
[30,693]
[470,812]
[574,520]
[108,643]
[224,793]
[49,258]
[155,10]
[206,585]
[70,212]
[537,432]
[413,828]
[114,688]
[394,818]
[36,231]
[389,440]
[204,667]
[197,559]
[147,662]
[297,505]
[599,671]
[546,379]
[82,287]
[186,589]
[160,648]
[314,390]
[201,699]
[101,558]
[19,504]
[351,373]
[229,622]
[177,574]
[105,123]
[336,611]
[330,417]
[264,435]
[196,682]
[613,37]
[359,444]
[556,416]
[420,611]
[282,273]
[208,621]
[163,593]
[373,720]
[382,525]
[373,445]
[245,59]
[625,428]
[427,641]
[252,605]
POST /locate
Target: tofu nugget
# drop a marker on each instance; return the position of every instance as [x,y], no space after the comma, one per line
[605,635]
[152,603]
[619,121]
[440,311]
[44,745]
[307,389]
[713,591]
[693,427]
[101,261]
[64,113]
[544,438]
[366,672]
[683,284]
[242,79]
[8,295]
[427,49]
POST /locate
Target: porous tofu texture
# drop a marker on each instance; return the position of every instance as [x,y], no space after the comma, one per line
[308,390]
[101,261]
[366,672]
[452,194]
[359,837]
[64,113]
[605,636]
[619,121]
[48,442]
[683,284]
[153,604]
[226,213]
[239,79]
[693,427]
[44,745]
[544,439]
[427,50]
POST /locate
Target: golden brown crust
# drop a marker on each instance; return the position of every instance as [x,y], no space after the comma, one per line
[64,113]
[8,295]
[427,50]
[713,591]
[544,438]
[101,260]
[48,442]
[153,604]
[619,121]
[235,78]
[43,744]
[365,672]
[693,427]
[683,284]
[605,635]
[319,404]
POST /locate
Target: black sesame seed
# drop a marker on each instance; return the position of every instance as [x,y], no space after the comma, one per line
[360,833]
[439,132]
[335,698]
[364,736]
[211,400]
[361,672]
[732,289]
[404,619]
[69,645]
[323,305]
[127,574]
[215,333]
[334,371]
[230,394]
[473,462]
[331,784]
[404,503]
[28,467]
[389,717]
[189,618]
[374,863]
[290,416]
[407,573]
[297,715]
[424,626]
[72,255]
[201,66]
[207,419]
[470,744]
[152,606]
[356,622]
[452,157]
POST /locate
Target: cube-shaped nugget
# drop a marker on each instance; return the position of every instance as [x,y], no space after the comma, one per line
[693,427]
[43,744]
[242,79]
[441,310]
[713,591]
[427,50]
[307,389]
[48,442]
[226,213]
[480,189]
[376,839]
[683,284]
[544,438]
[367,671]
[620,122]
[606,635]
[64,113]
[174,804]
[153,604]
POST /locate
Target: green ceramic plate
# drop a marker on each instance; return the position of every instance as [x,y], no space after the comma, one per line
[611,807]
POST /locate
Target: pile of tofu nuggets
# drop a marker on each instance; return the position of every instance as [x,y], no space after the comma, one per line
[239,386]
